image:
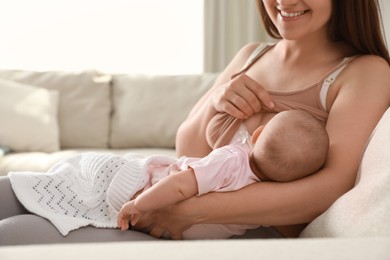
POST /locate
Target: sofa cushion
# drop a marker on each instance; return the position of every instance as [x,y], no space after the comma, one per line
[364,210]
[84,103]
[28,117]
[148,109]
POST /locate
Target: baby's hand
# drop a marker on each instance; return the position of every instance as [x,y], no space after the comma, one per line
[128,213]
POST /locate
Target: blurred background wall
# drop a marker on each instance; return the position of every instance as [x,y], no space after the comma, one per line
[130,36]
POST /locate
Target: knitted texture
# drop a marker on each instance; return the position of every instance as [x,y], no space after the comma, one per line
[126,183]
[74,193]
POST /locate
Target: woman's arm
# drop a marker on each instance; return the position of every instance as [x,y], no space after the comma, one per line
[240,97]
[358,100]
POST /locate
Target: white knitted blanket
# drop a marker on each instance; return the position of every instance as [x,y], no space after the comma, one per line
[87,189]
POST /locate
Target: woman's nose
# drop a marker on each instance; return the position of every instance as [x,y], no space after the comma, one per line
[287,2]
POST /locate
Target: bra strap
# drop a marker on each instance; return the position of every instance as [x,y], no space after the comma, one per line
[329,80]
[259,49]
[256,54]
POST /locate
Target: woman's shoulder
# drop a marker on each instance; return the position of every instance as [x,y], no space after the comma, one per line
[368,64]
[249,48]
[244,53]
[247,53]
[253,48]
[239,60]
[368,74]
[368,68]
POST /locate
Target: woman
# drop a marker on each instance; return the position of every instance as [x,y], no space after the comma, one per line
[315,38]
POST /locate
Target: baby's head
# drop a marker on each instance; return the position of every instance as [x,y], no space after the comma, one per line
[292,145]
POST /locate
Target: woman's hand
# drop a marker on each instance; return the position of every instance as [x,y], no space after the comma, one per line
[241,97]
[128,213]
[173,220]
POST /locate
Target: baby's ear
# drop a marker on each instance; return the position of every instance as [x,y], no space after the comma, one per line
[256,134]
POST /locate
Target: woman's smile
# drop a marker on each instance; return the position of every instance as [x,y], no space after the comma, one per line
[297,19]
[288,15]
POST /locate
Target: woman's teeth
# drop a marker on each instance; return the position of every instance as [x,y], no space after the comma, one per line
[291,14]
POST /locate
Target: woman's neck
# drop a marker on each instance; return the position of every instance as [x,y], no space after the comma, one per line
[301,51]
[311,48]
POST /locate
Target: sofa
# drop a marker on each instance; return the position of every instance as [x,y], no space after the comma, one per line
[47,116]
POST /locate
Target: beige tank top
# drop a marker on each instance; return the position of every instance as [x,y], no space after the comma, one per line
[222,128]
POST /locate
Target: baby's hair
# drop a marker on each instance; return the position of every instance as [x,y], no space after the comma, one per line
[295,146]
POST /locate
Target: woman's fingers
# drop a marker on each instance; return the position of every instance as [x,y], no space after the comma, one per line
[126,214]
[242,97]
[123,220]
[123,224]
[161,223]
[157,232]
[236,106]
[261,94]
[176,236]
[134,219]
[145,222]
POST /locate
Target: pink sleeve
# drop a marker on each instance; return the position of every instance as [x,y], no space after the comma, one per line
[224,169]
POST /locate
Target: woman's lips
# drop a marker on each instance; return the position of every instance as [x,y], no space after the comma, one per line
[291,14]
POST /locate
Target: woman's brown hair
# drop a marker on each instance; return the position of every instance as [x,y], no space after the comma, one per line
[356,22]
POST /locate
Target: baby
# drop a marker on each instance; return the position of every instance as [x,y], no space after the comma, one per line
[292,145]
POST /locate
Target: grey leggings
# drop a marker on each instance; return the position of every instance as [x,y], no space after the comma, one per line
[19,227]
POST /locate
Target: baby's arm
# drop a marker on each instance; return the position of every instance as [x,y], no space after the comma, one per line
[171,189]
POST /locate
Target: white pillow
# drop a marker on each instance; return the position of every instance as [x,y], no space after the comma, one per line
[364,210]
[28,117]
[84,104]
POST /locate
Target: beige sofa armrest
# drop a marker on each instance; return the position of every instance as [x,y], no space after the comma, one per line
[275,249]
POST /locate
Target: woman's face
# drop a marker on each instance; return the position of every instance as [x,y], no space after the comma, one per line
[296,19]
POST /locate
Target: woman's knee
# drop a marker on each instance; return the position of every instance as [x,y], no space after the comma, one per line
[9,204]
[27,229]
